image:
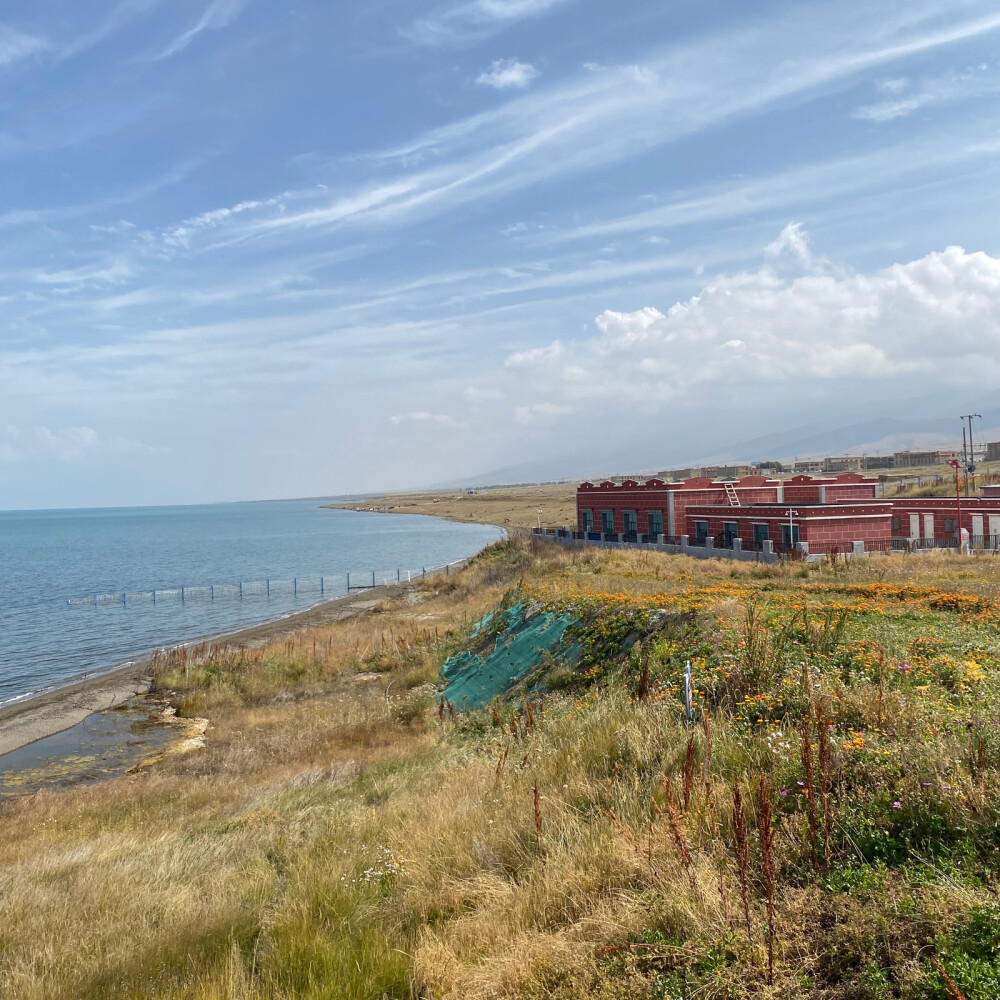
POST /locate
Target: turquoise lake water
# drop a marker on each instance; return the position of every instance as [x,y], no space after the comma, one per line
[51,558]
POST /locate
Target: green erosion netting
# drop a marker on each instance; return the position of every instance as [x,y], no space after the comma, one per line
[506,646]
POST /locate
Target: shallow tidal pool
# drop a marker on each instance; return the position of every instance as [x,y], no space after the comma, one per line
[102,746]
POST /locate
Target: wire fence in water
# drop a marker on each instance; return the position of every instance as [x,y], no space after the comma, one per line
[315,586]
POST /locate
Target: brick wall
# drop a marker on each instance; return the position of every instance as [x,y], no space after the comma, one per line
[824,527]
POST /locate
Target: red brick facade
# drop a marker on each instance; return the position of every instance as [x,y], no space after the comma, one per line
[824,527]
[830,512]
[937,517]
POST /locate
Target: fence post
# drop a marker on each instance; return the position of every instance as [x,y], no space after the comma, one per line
[321,590]
[213,591]
[182,595]
[295,586]
[397,574]
[373,579]
[95,600]
[423,576]
[124,605]
[154,596]
[241,590]
[268,588]
[447,569]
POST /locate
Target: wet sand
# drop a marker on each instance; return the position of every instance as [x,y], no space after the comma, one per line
[51,712]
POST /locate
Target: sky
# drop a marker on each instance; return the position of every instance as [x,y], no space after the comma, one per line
[254,250]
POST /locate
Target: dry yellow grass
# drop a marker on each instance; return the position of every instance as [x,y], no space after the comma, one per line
[507,506]
[334,840]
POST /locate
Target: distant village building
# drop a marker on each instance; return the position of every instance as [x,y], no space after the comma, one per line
[993,451]
[872,462]
[809,465]
[908,459]
[844,463]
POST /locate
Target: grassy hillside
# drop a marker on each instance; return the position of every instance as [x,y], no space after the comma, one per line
[828,825]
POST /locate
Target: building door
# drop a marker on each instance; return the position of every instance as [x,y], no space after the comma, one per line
[760,535]
[995,531]
[977,529]
[914,526]
[608,522]
[789,535]
[700,532]
[654,524]
[928,525]
[730,530]
[631,520]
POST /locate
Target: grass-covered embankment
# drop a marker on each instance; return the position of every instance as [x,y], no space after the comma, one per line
[335,841]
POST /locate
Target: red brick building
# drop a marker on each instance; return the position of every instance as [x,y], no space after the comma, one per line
[928,518]
[753,509]
[826,513]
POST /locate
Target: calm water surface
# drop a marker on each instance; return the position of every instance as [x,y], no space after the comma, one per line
[49,558]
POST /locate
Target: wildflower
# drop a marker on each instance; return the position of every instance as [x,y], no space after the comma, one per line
[897,805]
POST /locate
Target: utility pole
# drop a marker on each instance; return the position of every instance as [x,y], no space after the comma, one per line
[970,462]
[958,503]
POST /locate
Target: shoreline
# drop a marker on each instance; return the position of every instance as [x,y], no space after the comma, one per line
[37,716]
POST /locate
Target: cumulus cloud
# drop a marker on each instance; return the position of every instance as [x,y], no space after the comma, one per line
[792,240]
[914,323]
[507,73]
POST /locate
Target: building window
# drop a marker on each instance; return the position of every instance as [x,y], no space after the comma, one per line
[608,522]
[897,524]
[760,535]
[631,520]
[950,524]
[789,535]
[730,530]
[700,531]
[588,520]
[654,523]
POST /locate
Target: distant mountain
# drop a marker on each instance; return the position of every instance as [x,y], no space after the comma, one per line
[883,434]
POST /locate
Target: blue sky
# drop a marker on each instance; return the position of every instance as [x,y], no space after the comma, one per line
[252,249]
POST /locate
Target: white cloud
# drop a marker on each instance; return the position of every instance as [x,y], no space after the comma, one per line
[114,20]
[792,239]
[536,356]
[15,45]
[422,417]
[507,73]
[902,97]
[218,14]
[596,119]
[459,23]
[533,412]
[71,444]
[914,324]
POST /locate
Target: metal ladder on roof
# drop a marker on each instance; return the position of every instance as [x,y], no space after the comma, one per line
[734,497]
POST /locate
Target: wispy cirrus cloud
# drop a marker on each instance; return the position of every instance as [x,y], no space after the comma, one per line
[17,45]
[901,97]
[505,74]
[116,19]
[218,14]
[606,115]
[472,20]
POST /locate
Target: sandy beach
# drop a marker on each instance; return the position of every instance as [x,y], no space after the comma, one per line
[53,711]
